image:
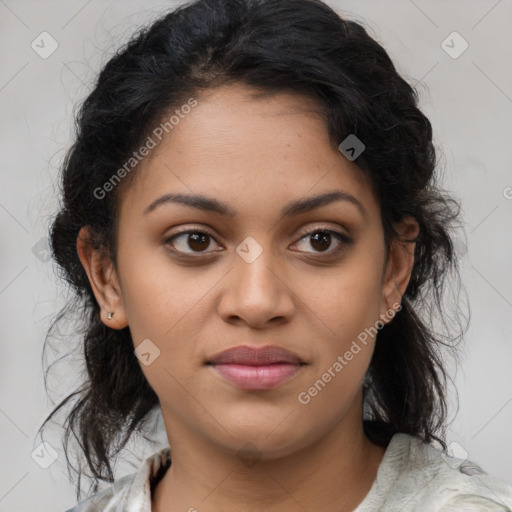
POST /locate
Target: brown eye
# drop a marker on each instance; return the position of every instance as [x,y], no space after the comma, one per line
[321,240]
[189,242]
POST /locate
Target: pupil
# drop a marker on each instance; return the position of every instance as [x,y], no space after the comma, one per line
[197,238]
[323,240]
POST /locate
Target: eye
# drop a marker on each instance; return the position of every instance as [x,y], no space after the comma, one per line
[196,240]
[321,239]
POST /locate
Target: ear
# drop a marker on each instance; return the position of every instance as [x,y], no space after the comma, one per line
[398,269]
[103,279]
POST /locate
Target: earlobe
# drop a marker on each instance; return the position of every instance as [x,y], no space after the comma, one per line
[399,266]
[103,280]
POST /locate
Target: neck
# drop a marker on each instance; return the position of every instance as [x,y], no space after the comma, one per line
[333,474]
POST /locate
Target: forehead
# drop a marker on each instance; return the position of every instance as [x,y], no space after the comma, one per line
[254,151]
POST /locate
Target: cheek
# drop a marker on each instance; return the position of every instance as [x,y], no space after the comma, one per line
[348,301]
[158,295]
[349,310]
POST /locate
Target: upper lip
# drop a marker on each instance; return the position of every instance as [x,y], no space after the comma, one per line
[244,354]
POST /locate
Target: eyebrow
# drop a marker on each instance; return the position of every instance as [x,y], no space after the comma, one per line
[296,207]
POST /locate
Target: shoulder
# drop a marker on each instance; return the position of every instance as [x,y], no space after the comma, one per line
[108,499]
[132,492]
[444,482]
[417,476]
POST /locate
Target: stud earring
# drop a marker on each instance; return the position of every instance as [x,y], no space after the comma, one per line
[110,314]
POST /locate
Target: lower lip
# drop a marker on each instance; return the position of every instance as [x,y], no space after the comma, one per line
[257,377]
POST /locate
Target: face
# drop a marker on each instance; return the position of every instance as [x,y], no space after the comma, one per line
[310,281]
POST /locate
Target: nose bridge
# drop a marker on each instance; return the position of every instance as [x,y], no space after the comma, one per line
[253,266]
[255,293]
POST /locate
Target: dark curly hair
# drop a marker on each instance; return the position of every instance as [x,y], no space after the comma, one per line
[272,46]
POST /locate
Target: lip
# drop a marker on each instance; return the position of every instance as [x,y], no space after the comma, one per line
[256,368]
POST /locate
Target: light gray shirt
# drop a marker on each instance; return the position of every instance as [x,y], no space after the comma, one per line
[412,477]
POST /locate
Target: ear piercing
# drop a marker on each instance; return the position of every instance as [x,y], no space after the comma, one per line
[110,314]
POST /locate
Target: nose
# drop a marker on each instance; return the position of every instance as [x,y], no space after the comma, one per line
[256,292]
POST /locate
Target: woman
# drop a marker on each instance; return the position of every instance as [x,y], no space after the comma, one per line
[252,225]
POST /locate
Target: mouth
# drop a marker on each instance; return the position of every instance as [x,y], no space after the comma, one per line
[256,368]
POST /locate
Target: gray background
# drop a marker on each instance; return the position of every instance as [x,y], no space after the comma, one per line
[468,100]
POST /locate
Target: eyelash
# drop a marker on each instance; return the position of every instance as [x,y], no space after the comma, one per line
[341,237]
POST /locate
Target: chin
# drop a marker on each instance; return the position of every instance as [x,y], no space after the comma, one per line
[267,440]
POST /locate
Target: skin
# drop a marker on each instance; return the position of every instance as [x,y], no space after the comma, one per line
[256,155]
